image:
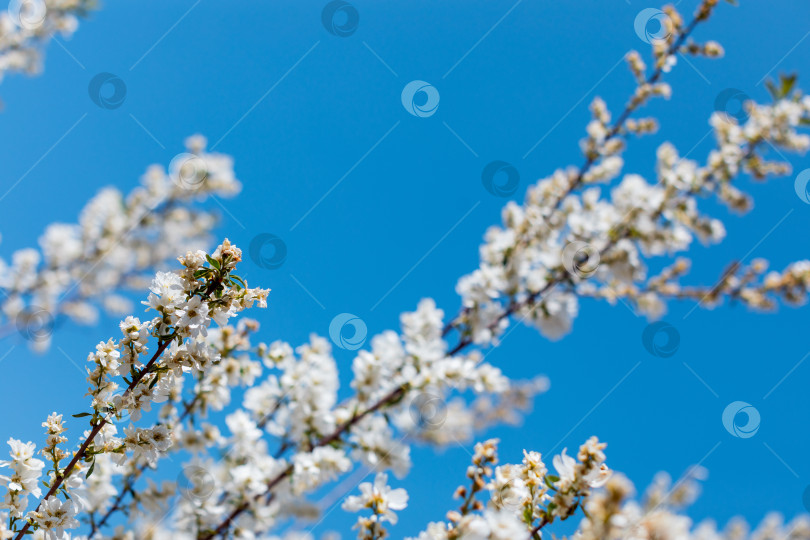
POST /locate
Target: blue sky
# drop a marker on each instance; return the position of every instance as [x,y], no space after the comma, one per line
[304,112]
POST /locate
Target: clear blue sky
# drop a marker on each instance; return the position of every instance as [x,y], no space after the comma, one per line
[327,100]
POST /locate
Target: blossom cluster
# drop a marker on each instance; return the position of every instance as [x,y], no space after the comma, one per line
[400,388]
[123,382]
[572,237]
[25,471]
[117,242]
[612,514]
[27,25]
[523,498]
[382,501]
[580,233]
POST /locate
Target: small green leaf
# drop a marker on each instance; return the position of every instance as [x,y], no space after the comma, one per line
[82,415]
[786,85]
[212,261]
[788,82]
[772,90]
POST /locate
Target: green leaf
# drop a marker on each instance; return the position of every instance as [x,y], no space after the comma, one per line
[212,261]
[82,415]
[772,90]
[90,470]
[785,87]
[788,82]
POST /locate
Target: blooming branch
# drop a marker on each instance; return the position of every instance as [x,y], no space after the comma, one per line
[27,25]
[117,242]
[187,302]
[580,233]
